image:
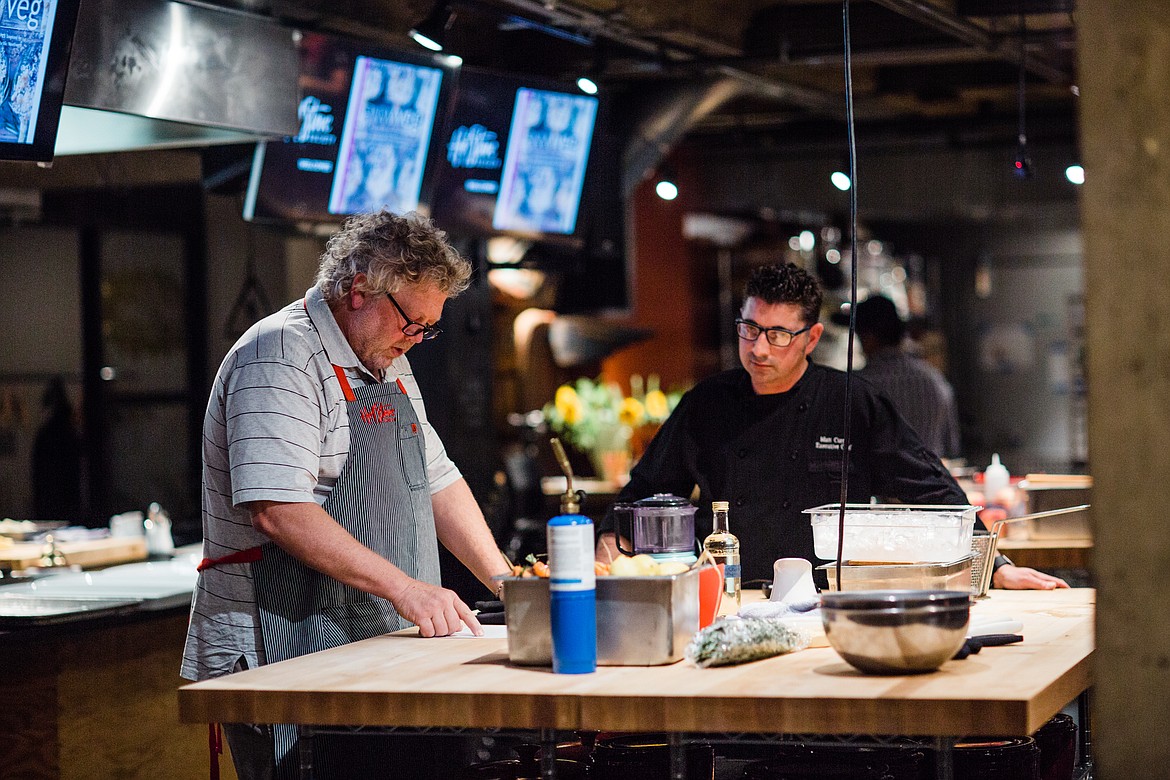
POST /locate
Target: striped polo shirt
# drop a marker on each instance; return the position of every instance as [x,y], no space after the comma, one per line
[276,429]
[921,394]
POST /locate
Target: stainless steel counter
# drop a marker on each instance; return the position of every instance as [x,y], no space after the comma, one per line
[73,596]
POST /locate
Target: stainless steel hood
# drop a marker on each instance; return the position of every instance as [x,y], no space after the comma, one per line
[89,131]
[157,74]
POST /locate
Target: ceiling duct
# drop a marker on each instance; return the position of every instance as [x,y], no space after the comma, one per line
[665,118]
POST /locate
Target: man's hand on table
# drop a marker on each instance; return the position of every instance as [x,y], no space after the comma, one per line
[1011,577]
[436,611]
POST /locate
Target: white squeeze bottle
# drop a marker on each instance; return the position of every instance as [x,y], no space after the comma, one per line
[996,479]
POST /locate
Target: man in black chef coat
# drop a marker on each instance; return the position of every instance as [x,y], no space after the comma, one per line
[768,437]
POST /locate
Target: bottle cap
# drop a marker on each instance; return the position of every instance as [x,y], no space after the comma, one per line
[718,505]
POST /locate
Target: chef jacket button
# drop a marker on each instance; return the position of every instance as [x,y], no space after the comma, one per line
[739,502]
[795,454]
[803,407]
[742,452]
[786,504]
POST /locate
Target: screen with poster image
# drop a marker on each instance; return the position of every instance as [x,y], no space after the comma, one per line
[515,157]
[36,37]
[366,118]
[544,166]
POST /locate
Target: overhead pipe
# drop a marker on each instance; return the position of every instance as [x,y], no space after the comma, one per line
[598,26]
[957,27]
[665,118]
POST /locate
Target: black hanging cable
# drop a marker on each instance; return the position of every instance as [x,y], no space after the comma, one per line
[848,417]
[1023,162]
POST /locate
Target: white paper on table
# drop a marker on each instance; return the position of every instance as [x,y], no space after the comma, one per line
[489,632]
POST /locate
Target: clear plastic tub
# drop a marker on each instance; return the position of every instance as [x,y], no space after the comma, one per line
[894,533]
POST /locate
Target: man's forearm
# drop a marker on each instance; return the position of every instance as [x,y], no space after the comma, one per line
[607,549]
[308,533]
[462,529]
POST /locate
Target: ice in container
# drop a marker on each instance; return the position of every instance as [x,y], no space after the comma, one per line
[894,533]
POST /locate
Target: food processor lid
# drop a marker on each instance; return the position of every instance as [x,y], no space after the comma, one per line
[660,501]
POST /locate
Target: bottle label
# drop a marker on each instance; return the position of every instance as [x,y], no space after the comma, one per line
[730,577]
[570,554]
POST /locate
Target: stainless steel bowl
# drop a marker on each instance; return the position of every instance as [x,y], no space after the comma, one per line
[896,631]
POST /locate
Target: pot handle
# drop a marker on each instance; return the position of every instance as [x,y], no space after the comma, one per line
[617,518]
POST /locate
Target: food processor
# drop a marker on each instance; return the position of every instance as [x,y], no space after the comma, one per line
[661,526]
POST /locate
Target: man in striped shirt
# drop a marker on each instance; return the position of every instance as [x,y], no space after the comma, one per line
[325,489]
[920,392]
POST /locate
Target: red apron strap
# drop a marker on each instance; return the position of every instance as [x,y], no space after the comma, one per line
[401,386]
[249,555]
[343,380]
[214,748]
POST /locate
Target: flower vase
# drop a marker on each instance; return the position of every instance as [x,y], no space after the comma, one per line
[641,437]
[612,465]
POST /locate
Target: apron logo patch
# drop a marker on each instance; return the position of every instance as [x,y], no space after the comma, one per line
[378,413]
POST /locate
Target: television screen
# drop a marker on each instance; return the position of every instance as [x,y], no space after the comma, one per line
[515,155]
[366,118]
[544,166]
[387,131]
[36,37]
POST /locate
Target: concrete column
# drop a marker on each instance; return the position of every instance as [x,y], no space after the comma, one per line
[1124,65]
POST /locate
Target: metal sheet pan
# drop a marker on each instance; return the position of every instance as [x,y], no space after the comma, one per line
[23,611]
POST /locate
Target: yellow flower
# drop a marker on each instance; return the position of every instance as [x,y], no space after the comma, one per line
[568,405]
[632,412]
[656,405]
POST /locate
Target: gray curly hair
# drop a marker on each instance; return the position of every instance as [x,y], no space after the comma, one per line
[391,250]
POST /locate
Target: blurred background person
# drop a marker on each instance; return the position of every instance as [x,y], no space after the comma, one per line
[919,391]
[56,459]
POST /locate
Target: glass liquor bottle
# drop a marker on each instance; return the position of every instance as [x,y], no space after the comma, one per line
[724,548]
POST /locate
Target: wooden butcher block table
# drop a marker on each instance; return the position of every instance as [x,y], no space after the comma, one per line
[404,680]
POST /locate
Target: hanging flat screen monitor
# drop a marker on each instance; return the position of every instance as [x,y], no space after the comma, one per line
[36,37]
[365,137]
[516,153]
[544,167]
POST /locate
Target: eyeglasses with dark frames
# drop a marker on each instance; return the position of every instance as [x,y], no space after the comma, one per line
[776,336]
[412,328]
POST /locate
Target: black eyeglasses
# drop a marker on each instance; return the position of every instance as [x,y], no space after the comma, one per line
[776,336]
[412,328]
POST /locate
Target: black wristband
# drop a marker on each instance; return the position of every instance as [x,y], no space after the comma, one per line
[1000,560]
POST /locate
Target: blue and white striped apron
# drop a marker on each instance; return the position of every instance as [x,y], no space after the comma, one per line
[382,497]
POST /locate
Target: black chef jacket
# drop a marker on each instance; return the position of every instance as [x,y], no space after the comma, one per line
[773,456]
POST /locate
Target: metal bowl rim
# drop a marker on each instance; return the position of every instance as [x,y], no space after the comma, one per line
[898,611]
[890,599]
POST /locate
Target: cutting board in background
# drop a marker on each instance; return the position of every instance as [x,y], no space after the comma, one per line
[88,553]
